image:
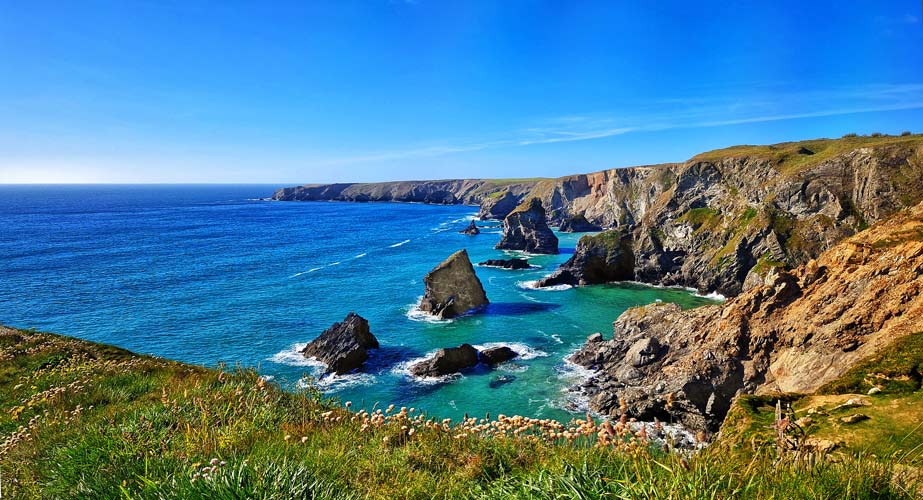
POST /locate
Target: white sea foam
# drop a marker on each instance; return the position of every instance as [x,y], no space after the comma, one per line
[332,382]
[533,285]
[713,296]
[415,314]
[313,269]
[293,357]
[524,352]
[399,244]
[361,255]
[334,263]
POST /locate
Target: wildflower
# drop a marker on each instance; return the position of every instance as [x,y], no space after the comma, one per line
[304,439]
[287,437]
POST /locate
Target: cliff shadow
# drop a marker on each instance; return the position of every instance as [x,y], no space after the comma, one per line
[517,308]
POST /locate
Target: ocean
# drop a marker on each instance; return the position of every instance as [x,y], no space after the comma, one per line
[210,274]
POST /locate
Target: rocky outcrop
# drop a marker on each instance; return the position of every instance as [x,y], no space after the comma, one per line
[712,221]
[578,224]
[453,288]
[506,263]
[602,258]
[447,361]
[496,355]
[456,359]
[498,205]
[344,346]
[525,228]
[472,229]
[442,192]
[791,332]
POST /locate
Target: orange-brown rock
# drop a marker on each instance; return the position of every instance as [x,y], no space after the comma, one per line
[793,332]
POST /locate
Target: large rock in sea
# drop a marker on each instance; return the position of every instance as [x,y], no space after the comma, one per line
[453,288]
[344,346]
[447,361]
[525,228]
[578,224]
[506,263]
[601,258]
[496,355]
[472,229]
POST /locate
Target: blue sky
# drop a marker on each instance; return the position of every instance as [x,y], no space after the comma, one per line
[318,91]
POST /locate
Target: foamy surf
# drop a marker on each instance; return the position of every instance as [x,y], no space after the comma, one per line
[293,357]
[361,255]
[332,382]
[415,314]
[314,269]
[533,285]
[399,244]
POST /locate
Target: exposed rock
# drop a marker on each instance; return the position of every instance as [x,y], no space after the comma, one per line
[578,224]
[602,258]
[819,445]
[525,229]
[498,205]
[453,288]
[792,333]
[472,229]
[447,361]
[854,418]
[497,355]
[708,222]
[501,380]
[344,346]
[874,390]
[506,263]
[596,337]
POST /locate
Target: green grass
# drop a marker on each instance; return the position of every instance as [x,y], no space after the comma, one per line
[897,369]
[790,158]
[84,420]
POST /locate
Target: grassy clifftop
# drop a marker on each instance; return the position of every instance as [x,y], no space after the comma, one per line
[83,420]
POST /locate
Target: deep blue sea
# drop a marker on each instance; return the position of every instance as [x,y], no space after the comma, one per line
[209,274]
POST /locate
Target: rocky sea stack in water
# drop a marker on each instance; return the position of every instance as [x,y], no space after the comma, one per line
[506,263]
[525,228]
[578,224]
[601,258]
[344,346]
[472,229]
[453,288]
[447,361]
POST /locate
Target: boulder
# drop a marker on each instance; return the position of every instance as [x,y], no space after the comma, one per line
[344,346]
[497,355]
[506,263]
[472,229]
[501,380]
[453,288]
[525,228]
[600,258]
[578,224]
[447,361]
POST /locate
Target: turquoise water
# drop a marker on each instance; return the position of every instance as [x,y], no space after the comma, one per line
[209,274]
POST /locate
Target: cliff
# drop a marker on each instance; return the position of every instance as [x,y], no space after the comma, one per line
[710,222]
[789,332]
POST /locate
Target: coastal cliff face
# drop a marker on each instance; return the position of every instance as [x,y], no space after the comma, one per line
[790,332]
[710,223]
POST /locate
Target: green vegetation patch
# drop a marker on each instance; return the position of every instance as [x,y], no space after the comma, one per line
[896,368]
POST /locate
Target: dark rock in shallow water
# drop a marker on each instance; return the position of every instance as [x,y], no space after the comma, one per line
[601,258]
[525,228]
[578,224]
[501,380]
[447,361]
[497,355]
[453,288]
[506,263]
[344,346]
[472,229]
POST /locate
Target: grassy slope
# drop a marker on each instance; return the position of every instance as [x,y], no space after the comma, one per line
[83,420]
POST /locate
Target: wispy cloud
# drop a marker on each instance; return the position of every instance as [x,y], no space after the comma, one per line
[675,113]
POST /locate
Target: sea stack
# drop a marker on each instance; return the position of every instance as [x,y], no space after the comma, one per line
[344,346]
[453,288]
[600,258]
[472,229]
[525,229]
[447,361]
